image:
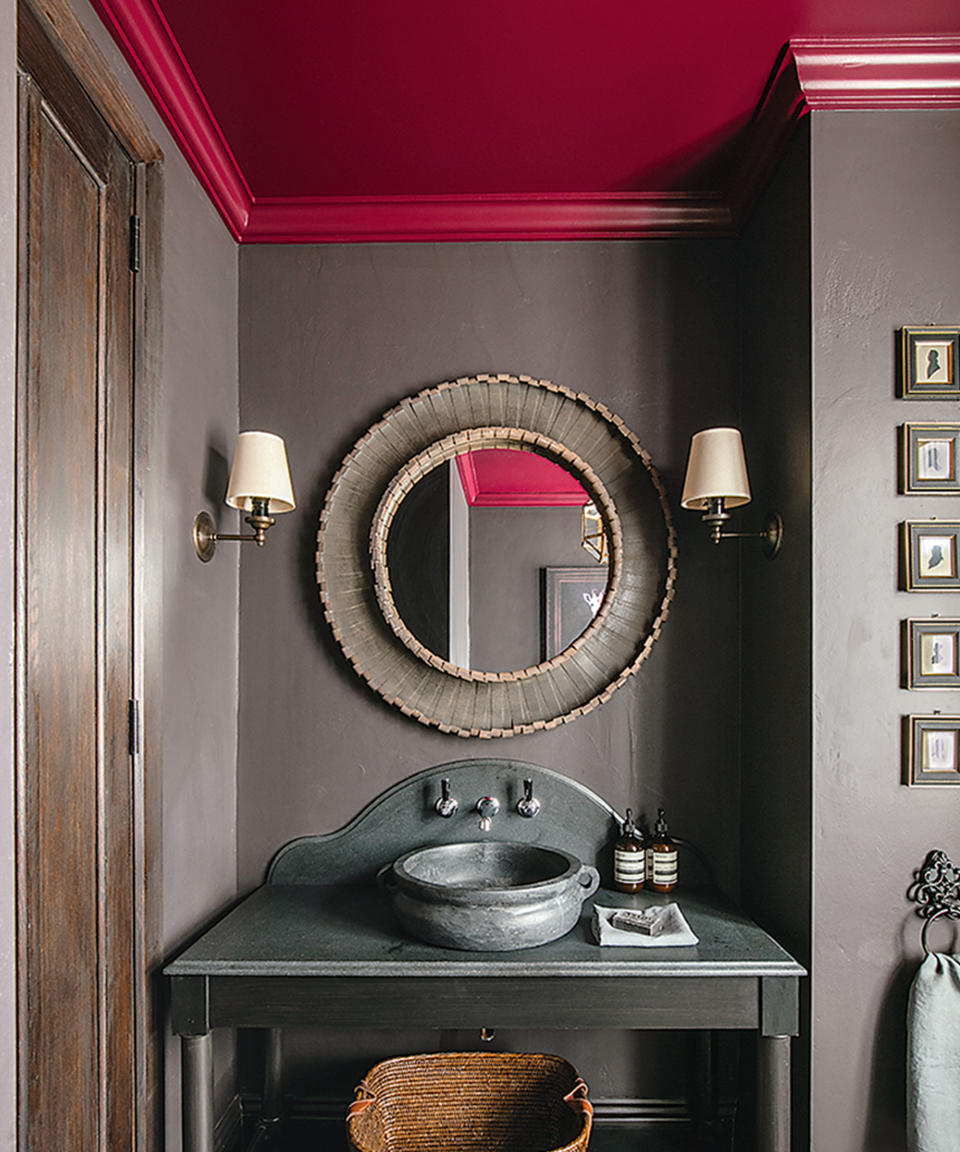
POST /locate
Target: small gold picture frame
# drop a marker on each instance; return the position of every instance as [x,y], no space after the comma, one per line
[930,555]
[931,751]
[931,653]
[929,459]
[928,362]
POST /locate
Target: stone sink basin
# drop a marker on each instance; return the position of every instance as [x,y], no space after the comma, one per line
[490,895]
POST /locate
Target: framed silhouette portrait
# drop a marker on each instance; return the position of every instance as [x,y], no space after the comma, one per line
[929,459]
[931,750]
[929,555]
[928,360]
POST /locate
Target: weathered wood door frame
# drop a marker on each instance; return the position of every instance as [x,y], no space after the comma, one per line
[71,48]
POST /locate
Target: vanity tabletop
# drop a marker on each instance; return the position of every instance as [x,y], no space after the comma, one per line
[350,930]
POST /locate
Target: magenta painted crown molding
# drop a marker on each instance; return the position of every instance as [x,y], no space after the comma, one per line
[811,75]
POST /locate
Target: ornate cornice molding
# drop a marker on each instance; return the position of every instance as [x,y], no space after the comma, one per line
[810,75]
[152,50]
[830,74]
[467,218]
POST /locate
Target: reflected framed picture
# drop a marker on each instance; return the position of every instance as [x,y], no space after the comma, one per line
[930,555]
[928,458]
[931,653]
[571,599]
[927,368]
[931,746]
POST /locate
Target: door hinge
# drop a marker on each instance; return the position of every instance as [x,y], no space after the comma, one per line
[133,714]
[134,243]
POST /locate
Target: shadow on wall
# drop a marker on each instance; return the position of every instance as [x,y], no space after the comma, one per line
[886,1131]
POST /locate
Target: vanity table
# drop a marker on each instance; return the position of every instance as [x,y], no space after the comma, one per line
[299,952]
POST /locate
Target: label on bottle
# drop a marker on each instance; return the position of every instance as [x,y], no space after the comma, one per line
[664,869]
[629,867]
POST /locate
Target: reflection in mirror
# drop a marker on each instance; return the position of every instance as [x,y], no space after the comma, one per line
[493,562]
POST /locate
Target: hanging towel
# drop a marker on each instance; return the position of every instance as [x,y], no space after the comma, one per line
[933,1056]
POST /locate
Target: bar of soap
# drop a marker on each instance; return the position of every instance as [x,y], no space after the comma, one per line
[648,923]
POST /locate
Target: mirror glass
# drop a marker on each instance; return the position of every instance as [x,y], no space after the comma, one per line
[494,563]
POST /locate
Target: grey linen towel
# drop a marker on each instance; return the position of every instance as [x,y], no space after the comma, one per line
[933,1056]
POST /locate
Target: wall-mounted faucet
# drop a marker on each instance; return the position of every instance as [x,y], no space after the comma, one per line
[488,807]
[446,805]
[529,806]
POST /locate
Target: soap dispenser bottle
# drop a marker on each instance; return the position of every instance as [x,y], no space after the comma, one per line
[629,858]
[662,861]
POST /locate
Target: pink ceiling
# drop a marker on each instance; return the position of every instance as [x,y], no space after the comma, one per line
[505,478]
[309,119]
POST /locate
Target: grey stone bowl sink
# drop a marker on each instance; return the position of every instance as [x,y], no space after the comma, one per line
[489,895]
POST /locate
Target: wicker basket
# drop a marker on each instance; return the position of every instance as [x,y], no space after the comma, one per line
[471,1102]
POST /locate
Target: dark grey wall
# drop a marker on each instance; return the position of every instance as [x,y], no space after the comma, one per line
[330,337]
[885,254]
[777,613]
[508,549]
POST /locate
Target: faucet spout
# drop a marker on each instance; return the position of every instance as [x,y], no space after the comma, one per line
[488,807]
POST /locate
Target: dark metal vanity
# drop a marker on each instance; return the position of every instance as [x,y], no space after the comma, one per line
[299,952]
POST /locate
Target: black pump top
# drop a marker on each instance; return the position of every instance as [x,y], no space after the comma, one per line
[629,828]
[661,826]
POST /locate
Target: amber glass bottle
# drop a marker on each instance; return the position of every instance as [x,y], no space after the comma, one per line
[629,858]
[662,861]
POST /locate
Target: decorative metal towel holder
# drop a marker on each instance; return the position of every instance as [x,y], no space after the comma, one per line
[936,889]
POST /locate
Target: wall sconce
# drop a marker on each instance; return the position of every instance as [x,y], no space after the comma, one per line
[716,481]
[259,484]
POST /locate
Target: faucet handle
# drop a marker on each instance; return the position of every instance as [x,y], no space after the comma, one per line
[529,806]
[488,807]
[446,805]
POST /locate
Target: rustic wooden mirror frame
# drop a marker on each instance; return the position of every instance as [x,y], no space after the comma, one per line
[575,432]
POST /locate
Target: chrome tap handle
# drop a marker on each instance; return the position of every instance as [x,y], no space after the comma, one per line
[529,806]
[488,807]
[446,805]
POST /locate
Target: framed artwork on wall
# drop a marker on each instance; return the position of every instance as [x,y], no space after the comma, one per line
[930,555]
[931,750]
[928,458]
[571,599]
[931,653]
[928,363]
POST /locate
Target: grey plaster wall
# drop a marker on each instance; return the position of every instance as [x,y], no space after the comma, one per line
[199,402]
[330,337]
[885,254]
[777,612]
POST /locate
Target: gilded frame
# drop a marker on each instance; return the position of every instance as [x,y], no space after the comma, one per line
[931,751]
[575,432]
[929,459]
[931,654]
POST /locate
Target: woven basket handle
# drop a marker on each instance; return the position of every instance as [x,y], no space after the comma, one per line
[363,1101]
[576,1099]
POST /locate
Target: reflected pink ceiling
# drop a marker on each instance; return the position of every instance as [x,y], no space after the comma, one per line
[308,110]
[506,478]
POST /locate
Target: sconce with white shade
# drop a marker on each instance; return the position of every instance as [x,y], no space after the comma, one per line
[716,481]
[260,485]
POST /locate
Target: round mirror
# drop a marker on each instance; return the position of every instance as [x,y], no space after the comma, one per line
[495,560]
[382,507]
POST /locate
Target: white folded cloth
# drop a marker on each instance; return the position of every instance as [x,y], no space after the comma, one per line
[676,932]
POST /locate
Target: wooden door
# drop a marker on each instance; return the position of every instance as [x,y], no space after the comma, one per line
[76,801]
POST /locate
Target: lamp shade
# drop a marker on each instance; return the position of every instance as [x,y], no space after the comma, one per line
[260,471]
[716,467]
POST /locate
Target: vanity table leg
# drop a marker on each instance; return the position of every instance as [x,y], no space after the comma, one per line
[197,1087]
[773,1094]
[271,1109]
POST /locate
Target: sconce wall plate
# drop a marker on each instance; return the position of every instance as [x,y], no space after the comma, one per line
[205,536]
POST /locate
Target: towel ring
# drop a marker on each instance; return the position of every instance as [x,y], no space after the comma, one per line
[936,891]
